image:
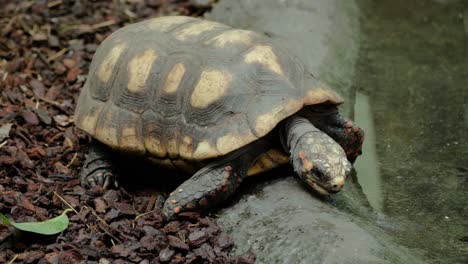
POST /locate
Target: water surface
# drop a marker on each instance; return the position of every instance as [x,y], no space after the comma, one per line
[412,78]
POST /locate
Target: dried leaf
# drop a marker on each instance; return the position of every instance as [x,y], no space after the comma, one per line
[5,131]
[62,120]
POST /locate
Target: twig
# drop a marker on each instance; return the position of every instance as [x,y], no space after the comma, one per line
[57,55]
[103,24]
[76,212]
[13,259]
[59,106]
[65,202]
[104,226]
[3,144]
[72,160]
[54,3]
[151,202]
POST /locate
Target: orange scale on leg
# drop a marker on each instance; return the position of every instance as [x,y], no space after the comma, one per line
[203,202]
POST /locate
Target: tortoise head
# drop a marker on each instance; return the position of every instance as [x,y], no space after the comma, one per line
[321,163]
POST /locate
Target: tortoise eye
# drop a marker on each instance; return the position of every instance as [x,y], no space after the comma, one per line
[317,171]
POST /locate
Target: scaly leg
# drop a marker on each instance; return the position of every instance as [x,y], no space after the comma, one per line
[97,168]
[215,182]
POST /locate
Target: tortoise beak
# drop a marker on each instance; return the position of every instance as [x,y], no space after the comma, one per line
[325,188]
[316,187]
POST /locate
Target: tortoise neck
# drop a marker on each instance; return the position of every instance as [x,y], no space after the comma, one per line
[293,129]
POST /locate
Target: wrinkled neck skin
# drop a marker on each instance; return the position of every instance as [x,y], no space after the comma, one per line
[293,129]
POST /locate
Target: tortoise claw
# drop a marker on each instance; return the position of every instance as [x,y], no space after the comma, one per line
[109,181]
[98,168]
[105,179]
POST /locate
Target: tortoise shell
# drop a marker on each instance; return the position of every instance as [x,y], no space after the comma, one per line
[183,88]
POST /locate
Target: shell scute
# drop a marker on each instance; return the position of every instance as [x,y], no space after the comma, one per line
[182,88]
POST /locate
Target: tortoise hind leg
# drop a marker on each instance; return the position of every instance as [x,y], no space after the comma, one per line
[215,182]
[97,168]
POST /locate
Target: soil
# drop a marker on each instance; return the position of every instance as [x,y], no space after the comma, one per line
[45,51]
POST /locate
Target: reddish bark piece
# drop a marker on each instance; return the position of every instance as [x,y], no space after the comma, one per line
[100,205]
[198,237]
[121,251]
[166,254]
[172,227]
[30,117]
[206,252]
[37,87]
[175,242]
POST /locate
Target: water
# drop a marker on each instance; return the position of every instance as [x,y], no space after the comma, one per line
[412,78]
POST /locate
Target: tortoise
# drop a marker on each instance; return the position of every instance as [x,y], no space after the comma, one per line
[216,102]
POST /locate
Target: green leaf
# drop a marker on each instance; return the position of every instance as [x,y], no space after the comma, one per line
[5,220]
[48,227]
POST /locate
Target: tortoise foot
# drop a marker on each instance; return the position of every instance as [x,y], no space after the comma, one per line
[98,169]
[352,140]
[205,189]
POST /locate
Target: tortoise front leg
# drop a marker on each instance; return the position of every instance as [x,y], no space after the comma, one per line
[215,182]
[97,168]
[342,130]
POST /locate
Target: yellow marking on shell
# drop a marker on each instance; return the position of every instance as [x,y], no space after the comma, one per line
[89,119]
[107,66]
[204,150]
[269,160]
[106,130]
[154,146]
[107,135]
[174,77]
[186,148]
[138,69]
[130,141]
[211,86]
[267,121]
[264,55]
[318,95]
[236,36]
[165,23]
[171,146]
[196,29]
[231,141]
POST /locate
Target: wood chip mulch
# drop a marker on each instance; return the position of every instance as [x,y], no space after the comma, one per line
[45,51]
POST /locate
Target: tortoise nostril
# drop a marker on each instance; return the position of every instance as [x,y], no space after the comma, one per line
[335,186]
